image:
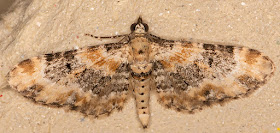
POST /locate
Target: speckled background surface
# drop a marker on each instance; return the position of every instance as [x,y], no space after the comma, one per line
[37,27]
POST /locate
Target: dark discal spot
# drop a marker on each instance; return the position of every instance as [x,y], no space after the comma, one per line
[59,68]
[140,52]
[141,93]
[68,66]
[209,47]
[250,82]
[142,101]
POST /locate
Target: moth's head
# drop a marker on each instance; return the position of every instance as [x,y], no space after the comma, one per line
[139,27]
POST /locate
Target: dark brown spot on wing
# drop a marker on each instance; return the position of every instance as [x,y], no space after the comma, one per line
[209,47]
[250,82]
[210,91]
[27,66]
[113,46]
[32,91]
[225,49]
[51,57]
[229,49]
[251,56]
[69,55]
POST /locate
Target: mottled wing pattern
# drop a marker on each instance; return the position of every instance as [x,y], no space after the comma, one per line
[189,76]
[93,80]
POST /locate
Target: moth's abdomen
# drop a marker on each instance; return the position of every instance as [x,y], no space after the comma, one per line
[141,80]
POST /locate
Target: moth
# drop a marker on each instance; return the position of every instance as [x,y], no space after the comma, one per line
[186,76]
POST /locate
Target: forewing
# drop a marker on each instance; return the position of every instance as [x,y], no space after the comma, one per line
[190,76]
[93,80]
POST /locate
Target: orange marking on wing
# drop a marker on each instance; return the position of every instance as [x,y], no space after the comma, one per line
[113,65]
[27,66]
[101,62]
[176,58]
[251,56]
[93,55]
[183,55]
[166,64]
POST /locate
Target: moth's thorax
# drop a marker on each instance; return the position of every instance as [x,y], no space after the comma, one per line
[140,50]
